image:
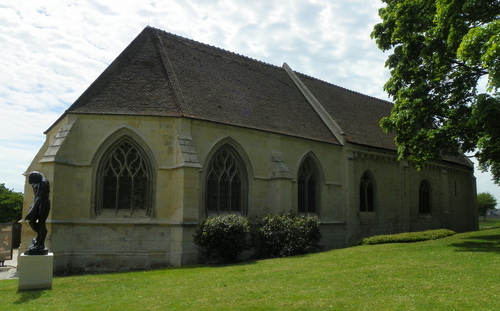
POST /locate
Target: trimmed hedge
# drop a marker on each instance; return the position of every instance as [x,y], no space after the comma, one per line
[282,235]
[407,237]
[223,238]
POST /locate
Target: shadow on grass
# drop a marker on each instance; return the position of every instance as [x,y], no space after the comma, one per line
[201,265]
[485,243]
[25,296]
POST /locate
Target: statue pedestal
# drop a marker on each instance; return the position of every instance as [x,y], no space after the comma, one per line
[35,271]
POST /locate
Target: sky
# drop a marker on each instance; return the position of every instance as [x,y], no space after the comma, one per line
[52,50]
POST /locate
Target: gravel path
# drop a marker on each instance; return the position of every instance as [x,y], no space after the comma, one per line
[9,271]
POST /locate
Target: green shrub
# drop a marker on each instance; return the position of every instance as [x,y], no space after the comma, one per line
[223,237]
[407,237]
[283,235]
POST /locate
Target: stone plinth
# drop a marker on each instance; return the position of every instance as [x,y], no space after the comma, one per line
[35,271]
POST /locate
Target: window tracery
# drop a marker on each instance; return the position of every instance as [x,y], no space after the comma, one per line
[226,183]
[124,179]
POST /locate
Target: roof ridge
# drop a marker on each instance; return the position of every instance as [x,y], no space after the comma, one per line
[259,61]
[214,47]
[343,88]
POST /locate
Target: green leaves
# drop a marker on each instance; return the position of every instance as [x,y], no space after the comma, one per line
[485,202]
[11,205]
[282,235]
[223,237]
[485,119]
[441,50]
[481,47]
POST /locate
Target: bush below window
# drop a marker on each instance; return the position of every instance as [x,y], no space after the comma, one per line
[223,238]
[283,235]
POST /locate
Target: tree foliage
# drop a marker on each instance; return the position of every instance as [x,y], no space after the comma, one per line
[11,205]
[485,202]
[442,51]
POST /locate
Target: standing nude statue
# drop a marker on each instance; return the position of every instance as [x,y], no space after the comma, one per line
[39,211]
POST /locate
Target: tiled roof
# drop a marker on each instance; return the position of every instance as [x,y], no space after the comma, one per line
[357,115]
[134,84]
[161,74]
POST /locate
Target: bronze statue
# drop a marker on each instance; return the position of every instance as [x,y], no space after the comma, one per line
[39,211]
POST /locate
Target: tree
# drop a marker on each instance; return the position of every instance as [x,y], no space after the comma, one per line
[11,205]
[442,51]
[485,202]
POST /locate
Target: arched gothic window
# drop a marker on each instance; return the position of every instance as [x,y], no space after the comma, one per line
[366,193]
[226,183]
[307,187]
[124,179]
[424,197]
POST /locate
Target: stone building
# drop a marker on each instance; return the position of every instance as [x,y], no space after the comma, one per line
[174,131]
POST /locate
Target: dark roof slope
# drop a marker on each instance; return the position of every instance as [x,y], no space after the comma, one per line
[356,114]
[161,74]
[134,84]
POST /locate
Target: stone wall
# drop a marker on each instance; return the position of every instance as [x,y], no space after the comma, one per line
[103,247]
[179,150]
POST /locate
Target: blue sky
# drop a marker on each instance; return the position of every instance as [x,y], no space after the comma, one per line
[52,50]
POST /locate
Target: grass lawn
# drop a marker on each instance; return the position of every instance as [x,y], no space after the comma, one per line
[461,272]
[489,222]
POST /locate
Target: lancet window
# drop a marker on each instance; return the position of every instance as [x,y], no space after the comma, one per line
[226,183]
[366,193]
[124,179]
[424,197]
[307,187]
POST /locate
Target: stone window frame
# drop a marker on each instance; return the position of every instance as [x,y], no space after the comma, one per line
[226,154]
[308,175]
[145,165]
[367,193]
[424,197]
